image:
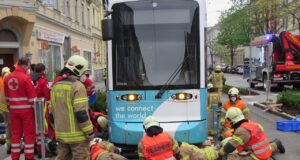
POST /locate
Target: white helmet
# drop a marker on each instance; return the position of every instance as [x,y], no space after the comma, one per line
[210,86]
[234,115]
[5,70]
[233,92]
[77,64]
[150,121]
[218,68]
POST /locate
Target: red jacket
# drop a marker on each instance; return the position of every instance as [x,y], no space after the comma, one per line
[93,116]
[19,91]
[89,85]
[41,88]
[158,147]
[258,142]
[96,150]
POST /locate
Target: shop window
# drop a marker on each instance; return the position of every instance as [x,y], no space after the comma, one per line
[52,59]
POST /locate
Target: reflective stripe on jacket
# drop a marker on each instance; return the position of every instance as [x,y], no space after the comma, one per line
[19,91]
[258,142]
[67,98]
[213,98]
[217,80]
[158,147]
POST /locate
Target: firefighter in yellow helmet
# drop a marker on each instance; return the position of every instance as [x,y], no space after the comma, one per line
[249,139]
[156,144]
[213,97]
[3,108]
[69,112]
[218,79]
[233,101]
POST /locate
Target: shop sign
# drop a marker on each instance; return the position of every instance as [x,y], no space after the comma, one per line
[50,36]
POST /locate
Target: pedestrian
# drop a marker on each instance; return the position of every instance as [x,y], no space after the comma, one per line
[20,95]
[4,109]
[42,91]
[69,112]
[217,79]
[192,152]
[249,139]
[213,98]
[157,144]
[234,100]
[104,150]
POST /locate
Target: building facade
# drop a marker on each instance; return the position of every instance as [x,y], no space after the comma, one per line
[50,31]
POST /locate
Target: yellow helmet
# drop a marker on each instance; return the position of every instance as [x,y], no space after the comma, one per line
[233,91]
[77,64]
[150,121]
[218,68]
[5,70]
[234,115]
[210,85]
[103,122]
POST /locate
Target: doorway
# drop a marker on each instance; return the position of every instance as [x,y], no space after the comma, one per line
[9,48]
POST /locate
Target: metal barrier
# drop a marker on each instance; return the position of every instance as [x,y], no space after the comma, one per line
[40,122]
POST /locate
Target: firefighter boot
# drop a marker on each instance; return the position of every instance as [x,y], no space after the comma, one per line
[280,146]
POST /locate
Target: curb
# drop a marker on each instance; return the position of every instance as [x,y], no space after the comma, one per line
[281,114]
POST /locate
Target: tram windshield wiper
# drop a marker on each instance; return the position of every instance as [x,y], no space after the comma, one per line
[174,74]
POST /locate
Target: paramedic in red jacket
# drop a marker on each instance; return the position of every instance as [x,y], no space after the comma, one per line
[20,95]
[42,91]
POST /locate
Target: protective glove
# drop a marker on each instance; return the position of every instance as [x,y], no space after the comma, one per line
[118,150]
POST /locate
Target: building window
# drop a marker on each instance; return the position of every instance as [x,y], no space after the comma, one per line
[88,56]
[52,61]
[55,4]
[82,12]
[68,8]
[88,17]
[76,10]
[94,17]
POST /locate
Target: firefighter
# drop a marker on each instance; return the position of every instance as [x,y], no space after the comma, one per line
[103,150]
[69,112]
[3,108]
[20,95]
[248,139]
[156,144]
[100,124]
[213,98]
[192,152]
[233,101]
[218,79]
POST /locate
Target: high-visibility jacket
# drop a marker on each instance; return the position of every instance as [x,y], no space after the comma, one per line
[158,147]
[217,79]
[19,91]
[213,98]
[191,152]
[3,103]
[239,104]
[258,142]
[69,107]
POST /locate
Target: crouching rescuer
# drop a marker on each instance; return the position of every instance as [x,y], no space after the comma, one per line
[249,139]
[69,112]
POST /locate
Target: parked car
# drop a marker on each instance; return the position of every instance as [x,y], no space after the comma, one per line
[240,69]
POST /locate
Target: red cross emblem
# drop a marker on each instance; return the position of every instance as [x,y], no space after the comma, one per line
[13,84]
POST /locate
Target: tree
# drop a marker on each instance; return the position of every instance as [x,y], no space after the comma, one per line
[234,30]
[292,9]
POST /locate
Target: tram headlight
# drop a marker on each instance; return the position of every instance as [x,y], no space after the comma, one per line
[131,97]
[182,96]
